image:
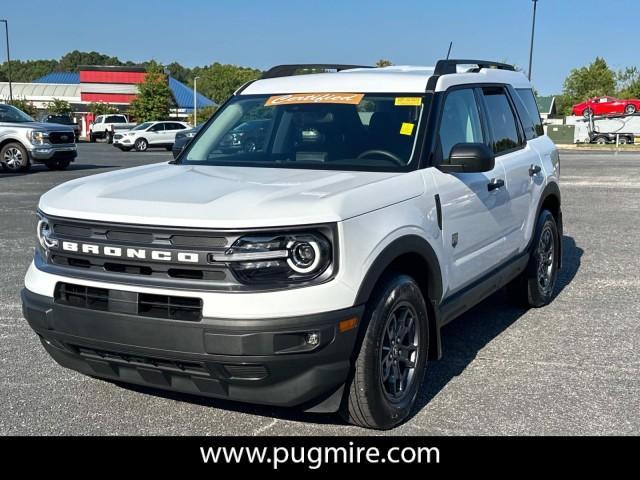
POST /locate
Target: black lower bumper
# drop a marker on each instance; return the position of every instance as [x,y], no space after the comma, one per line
[265,361]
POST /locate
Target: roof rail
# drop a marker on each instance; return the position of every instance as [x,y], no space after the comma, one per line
[288,70]
[444,67]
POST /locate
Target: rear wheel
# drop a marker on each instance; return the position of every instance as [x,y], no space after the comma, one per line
[390,365]
[58,164]
[601,140]
[92,138]
[15,158]
[141,145]
[630,109]
[623,140]
[534,287]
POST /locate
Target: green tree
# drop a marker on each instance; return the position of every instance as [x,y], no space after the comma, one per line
[72,60]
[594,80]
[383,63]
[101,108]
[628,82]
[59,107]
[27,71]
[25,105]
[180,73]
[219,81]
[154,99]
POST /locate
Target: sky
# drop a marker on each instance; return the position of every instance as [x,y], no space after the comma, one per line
[260,34]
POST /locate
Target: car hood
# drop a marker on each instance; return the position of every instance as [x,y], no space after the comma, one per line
[227,197]
[47,127]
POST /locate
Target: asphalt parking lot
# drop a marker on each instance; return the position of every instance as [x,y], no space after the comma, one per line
[570,368]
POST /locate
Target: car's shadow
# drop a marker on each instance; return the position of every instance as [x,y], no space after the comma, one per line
[462,339]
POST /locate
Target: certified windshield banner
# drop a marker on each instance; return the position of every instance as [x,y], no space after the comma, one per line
[291,99]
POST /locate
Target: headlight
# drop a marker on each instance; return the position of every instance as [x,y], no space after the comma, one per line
[38,138]
[190,134]
[44,232]
[278,258]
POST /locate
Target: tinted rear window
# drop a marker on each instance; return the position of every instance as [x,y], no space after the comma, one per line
[526,95]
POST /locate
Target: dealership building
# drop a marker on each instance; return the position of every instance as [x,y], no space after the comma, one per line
[112,85]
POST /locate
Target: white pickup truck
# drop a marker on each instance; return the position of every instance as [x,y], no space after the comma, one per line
[104,126]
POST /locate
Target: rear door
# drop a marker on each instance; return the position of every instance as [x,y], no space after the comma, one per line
[519,159]
[171,128]
[472,213]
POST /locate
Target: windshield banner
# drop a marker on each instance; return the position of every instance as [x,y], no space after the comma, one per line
[292,99]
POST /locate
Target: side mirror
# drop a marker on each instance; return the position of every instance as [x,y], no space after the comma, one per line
[469,158]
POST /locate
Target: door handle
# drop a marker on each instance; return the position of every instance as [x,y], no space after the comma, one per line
[495,183]
[534,170]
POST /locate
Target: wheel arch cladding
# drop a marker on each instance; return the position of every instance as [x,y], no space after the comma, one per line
[551,200]
[411,255]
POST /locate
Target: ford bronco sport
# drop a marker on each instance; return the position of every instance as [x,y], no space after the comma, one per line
[317,268]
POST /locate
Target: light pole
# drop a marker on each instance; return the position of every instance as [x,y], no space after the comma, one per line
[195,101]
[6,29]
[533,30]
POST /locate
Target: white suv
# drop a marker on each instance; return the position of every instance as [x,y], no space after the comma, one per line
[318,268]
[149,134]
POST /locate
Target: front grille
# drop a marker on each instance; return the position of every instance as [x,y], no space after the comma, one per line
[118,136]
[61,137]
[168,307]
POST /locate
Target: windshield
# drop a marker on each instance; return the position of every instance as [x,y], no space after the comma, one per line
[321,130]
[9,113]
[60,119]
[142,126]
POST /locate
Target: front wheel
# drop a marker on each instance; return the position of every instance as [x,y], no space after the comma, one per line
[534,287]
[141,145]
[390,365]
[15,158]
[586,112]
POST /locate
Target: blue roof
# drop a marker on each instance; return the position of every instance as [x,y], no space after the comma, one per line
[182,94]
[59,77]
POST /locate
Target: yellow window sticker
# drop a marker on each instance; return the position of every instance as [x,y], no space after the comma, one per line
[297,98]
[408,101]
[406,128]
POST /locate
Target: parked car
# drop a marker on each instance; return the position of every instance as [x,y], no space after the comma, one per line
[183,138]
[65,120]
[606,106]
[106,126]
[317,271]
[24,141]
[248,136]
[149,134]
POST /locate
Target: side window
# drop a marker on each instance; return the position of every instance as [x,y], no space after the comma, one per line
[114,119]
[158,127]
[177,126]
[501,120]
[169,126]
[529,101]
[460,121]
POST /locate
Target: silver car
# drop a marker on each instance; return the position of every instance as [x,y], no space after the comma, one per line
[23,141]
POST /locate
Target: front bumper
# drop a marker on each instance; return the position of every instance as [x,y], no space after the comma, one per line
[53,152]
[257,361]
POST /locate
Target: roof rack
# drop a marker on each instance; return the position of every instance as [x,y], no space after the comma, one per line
[288,70]
[444,67]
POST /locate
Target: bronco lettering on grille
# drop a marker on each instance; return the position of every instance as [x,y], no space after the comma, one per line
[133,253]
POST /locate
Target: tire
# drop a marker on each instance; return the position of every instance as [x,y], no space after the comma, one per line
[623,141]
[169,148]
[58,164]
[602,140]
[529,289]
[586,112]
[141,145]
[630,109]
[369,399]
[108,137]
[15,158]
[92,138]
